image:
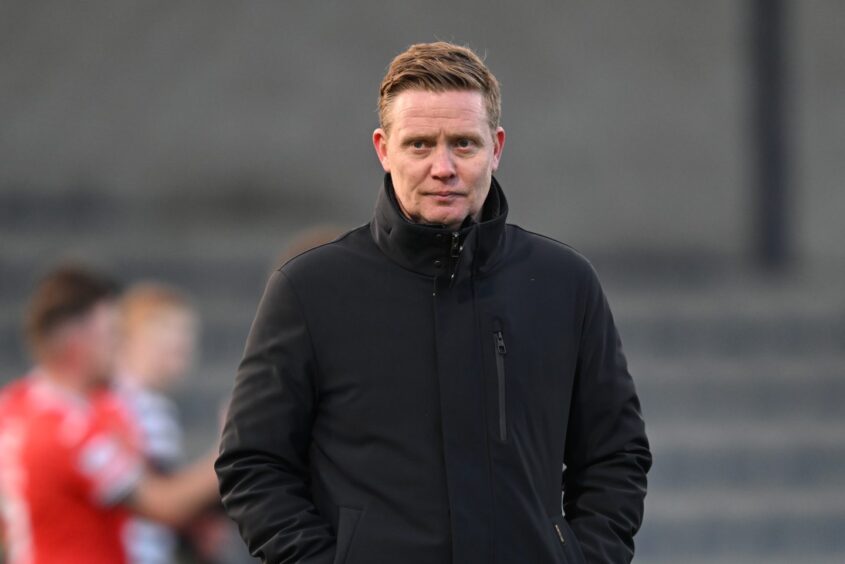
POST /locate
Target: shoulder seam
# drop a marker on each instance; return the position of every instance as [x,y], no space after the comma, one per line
[552,239]
[327,243]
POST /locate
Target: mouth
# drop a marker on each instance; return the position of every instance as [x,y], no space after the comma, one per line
[445,196]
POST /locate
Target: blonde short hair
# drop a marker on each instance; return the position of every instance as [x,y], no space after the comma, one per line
[144,300]
[439,67]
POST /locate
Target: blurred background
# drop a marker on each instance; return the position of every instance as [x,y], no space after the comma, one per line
[694,151]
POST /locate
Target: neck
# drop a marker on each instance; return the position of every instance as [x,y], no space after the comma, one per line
[424,250]
[137,369]
[68,377]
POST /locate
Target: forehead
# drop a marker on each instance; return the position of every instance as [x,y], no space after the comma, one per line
[422,109]
[103,314]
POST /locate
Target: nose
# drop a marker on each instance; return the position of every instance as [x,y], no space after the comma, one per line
[443,167]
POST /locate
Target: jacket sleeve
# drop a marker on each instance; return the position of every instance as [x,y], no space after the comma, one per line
[262,467]
[607,453]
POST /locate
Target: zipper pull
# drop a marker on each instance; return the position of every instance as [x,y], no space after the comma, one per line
[560,534]
[456,247]
[500,343]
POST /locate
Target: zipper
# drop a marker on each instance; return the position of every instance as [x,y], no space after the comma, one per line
[455,249]
[499,340]
[559,534]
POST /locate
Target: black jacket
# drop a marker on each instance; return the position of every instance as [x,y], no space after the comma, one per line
[410,395]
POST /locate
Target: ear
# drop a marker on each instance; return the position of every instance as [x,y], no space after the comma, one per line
[380,145]
[498,146]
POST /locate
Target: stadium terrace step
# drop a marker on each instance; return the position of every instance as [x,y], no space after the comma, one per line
[739,522]
[740,452]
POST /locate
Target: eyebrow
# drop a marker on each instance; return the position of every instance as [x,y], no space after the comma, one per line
[412,138]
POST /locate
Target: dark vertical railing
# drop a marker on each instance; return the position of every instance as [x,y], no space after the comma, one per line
[770,130]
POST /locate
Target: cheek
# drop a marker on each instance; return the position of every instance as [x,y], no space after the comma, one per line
[177,346]
[407,180]
[100,343]
[100,354]
[180,351]
[476,174]
[411,169]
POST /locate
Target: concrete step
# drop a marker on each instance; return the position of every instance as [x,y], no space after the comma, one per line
[693,522]
[221,202]
[779,384]
[805,557]
[748,453]
[734,335]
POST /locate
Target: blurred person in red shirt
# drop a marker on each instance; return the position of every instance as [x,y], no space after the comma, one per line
[71,470]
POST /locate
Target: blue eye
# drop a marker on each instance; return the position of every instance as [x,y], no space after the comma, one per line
[464,143]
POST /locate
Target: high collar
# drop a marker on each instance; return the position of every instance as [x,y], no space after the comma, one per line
[434,250]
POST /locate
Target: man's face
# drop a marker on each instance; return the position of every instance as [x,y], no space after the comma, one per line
[169,338]
[440,153]
[89,343]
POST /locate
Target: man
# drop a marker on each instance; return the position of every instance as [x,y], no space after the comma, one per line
[157,348]
[412,391]
[71,470]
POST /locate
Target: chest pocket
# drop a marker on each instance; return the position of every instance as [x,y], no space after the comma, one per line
[500,350]
[529,380]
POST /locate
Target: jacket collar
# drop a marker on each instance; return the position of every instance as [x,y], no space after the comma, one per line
[434,250]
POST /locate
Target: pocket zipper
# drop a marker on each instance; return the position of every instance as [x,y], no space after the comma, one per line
[560,534]
[499,340]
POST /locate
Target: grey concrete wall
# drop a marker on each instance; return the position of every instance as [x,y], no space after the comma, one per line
[819,123]
[626,121]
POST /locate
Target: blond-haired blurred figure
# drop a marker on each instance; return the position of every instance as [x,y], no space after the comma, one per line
[159,337]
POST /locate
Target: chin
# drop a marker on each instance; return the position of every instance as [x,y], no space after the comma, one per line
[449,218]
[444,221]
[102,378]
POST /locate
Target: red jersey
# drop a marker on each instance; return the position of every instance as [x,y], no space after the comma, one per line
[66,463]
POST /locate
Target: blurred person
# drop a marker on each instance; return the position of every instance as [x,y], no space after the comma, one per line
[71,470]
[157,349]
[436,385]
